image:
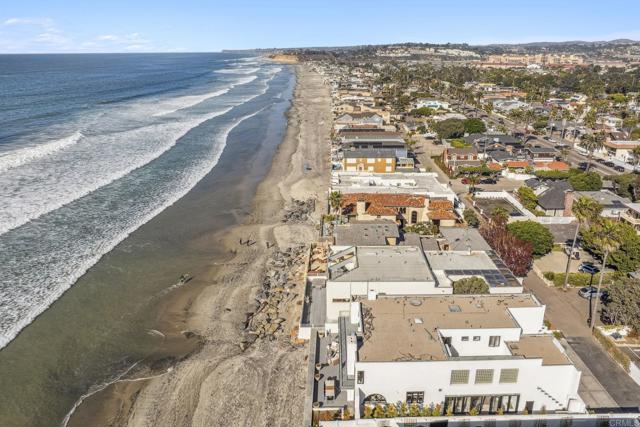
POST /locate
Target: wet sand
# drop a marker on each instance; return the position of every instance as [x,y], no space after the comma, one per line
[204,376]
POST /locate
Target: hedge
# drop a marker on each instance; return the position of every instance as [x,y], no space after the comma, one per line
[577,279]
[611,348]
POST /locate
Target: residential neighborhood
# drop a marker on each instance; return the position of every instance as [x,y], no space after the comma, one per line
[468,263]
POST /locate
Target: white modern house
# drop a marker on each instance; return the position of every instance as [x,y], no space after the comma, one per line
[370,272]
[478,354]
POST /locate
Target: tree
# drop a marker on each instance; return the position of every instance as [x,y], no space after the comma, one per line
[470,217]
[404,409]
[335,200]
[535,233]
[470,286]
[474,126]
[608,240]
[368,412]
[528,198]
[449,128]
[473,180]
[587,181]
[422,112]
[622,304]
[585,210]
[516,254]
[591,143]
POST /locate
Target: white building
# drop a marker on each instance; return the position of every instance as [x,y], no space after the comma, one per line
[418,183]
[367,272]
[431,103]
[486,354]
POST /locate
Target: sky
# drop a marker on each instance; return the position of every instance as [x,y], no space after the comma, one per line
[58,26]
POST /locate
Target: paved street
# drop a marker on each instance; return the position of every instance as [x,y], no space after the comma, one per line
[603,381]
[615,380]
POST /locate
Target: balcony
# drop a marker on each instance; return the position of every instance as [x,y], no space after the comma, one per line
[630,218]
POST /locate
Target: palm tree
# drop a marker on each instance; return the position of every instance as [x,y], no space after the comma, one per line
[335,200]
[591,143]
[586,211]
[473,180]
[608,241]
[636,155]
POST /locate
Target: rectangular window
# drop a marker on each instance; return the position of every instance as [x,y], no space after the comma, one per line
[460,376]
[371,160]
[484,376]
[509,375]
[360,377]
[415,397]
[494,341]
[476,338]
[465,338]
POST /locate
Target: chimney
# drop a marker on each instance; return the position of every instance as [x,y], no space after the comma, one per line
[568,203]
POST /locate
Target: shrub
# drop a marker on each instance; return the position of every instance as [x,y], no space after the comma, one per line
[535,233]
[470,285]
[459,143]
[588,181]
[577,280]
[424,229]
[470,217]
[611,348]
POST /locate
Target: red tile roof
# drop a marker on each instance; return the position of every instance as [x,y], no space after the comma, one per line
[517,164]
[494,166]
[555,165]
[440,205]
[382,204]
[441,214]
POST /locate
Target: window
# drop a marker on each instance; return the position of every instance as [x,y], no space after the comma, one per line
[465,338]
[402,210]
[360,377]
[484,376]
[509,375]
[415,397]
[494,341]
[476,338]
[414,217]
[460,376]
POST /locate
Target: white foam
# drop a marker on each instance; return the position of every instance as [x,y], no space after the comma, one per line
[15,158]
[99,248]
[39,188]
[239,70]
[187,101]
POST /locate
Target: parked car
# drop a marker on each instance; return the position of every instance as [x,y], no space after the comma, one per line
[589,291]
[609,163]
[601,161]
[588,267]
[583,166]
[560,146]
[548,138]
[489,181]
[465,181]
[619,168]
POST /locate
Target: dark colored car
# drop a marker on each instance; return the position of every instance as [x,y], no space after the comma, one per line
[489,181]
[601,161]
[619,168]
[609,163]
[588,267]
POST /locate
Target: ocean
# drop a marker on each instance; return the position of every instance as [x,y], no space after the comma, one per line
[95,148]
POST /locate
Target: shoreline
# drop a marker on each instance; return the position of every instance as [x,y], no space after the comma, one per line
[206,375]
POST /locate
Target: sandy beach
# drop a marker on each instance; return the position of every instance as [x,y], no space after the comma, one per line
[208,373]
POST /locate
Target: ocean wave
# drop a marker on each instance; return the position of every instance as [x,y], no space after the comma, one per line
[55,192]
[239,70]
[183,102]
[100,248]
[24,155]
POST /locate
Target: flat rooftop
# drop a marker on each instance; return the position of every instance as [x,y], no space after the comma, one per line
[365,233]
[425,183]
[404,329]
[539,347]
[388,264]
